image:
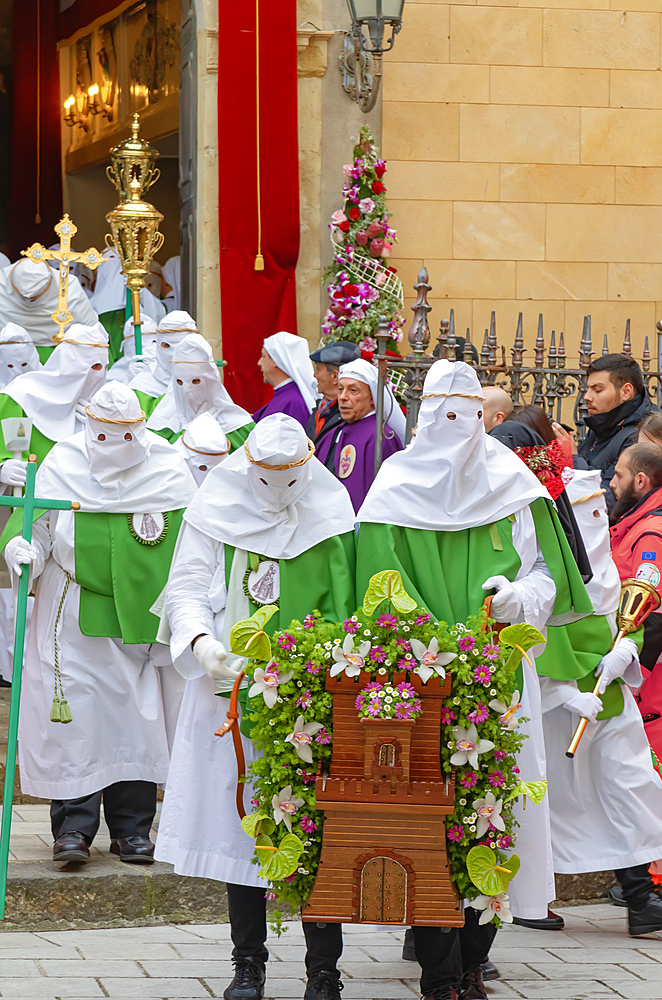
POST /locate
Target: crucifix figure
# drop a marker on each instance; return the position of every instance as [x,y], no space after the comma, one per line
[37,253]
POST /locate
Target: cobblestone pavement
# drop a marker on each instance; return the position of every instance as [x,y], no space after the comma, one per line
[593,958]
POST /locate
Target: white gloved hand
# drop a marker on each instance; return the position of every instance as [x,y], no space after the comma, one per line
[80,410]
[507,604]
[614,664]
[19,551]
[211,655]
[13,472]
[583,703]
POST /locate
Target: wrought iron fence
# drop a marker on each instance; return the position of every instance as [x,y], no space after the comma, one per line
[549,385]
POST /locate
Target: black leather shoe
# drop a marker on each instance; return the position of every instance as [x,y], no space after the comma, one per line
[490,971]
[136,850]
[442,993]
[473,987]
[70,848]
[408,950]
[617,896]
[648,920]
[324,986]
[552,922]
[248,982]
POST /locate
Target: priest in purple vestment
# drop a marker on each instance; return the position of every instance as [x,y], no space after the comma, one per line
[350,451]
[286,366]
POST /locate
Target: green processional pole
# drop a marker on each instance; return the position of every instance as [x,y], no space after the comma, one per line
[29,503]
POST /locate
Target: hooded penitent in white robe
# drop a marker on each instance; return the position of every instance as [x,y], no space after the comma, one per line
[605,803]
[110,291]
[155,379]
[28,297]
[172,275]
[18,355]
[277,513]
[203,446]
[122,371]
[118,732]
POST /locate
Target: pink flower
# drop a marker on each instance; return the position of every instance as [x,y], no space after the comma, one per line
[361,237]
[377,654]
[479,714]
[366,206]
[347,171]
[271,896]
[403,711]
[307,825]
[350,626]
[373,686]
[305,700]
[490,652]
[374,229]
[466,643]
[286,641]
[323,737]
[312,668]
[405,664]
[403,645]
[387,250]
[289,878]
[515,770]
[423,619]
[307,777]
[376,247]
[310,621]
[455,833]
[504,841]
[469,780]
[496,779]
[387,620]
[482,675]
[368,344]
[338,217]
[447,716]
[500,755]
[406,690]
[359,703]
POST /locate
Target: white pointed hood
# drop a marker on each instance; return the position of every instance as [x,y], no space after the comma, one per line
[171,330]
[203,446]
[28,297]
[121,370]
[18,355]
[452,475]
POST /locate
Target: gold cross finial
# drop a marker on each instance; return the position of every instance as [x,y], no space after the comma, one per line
[37,253]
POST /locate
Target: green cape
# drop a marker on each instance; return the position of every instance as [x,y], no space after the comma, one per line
[113,323]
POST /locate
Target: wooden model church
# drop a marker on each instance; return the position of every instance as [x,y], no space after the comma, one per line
[383,857]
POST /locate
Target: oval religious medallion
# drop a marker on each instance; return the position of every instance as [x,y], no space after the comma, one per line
[148,529]
[263,583]
[347,460]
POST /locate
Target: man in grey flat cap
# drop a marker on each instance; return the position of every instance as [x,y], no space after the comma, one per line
[325,418]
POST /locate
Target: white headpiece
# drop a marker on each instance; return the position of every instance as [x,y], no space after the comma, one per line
[115,433]
[291,355]
[110,287]
[171,329]
[49,396]
[172,274]
[31,280]
[272,496]
[29,295]
[18,355]
[203,445]
[363,371]
[121,370]
[452,475]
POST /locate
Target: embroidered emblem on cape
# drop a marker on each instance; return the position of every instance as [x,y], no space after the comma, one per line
[148,529]
[347,461]
[649,573]
[263,584]
[649,556]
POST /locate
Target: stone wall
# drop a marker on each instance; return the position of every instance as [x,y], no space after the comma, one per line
[525,149]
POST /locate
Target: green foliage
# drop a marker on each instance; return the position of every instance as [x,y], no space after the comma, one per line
[248,638]
[534,790]
[519,638]
[387,586]
[490,875]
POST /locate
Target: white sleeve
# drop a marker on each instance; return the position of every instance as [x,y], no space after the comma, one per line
[195,593]
[534,581]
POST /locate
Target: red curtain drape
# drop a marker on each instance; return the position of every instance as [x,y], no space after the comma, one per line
[36,182]
[255,304]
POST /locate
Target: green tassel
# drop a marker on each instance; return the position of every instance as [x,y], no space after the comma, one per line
[55,710]
[65,712]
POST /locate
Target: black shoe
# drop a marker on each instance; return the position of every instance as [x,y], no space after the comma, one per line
[323,986]
[490,971]
[70,848]
[408,950]
[648,920]
[136,850]
[248,982]
[616,896]
[442,993]
[552,922]
[473,987]
[4,683]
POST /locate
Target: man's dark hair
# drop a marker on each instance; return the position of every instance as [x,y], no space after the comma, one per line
[622,369]
[646,458]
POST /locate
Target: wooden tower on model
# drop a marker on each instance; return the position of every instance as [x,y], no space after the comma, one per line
[385,800]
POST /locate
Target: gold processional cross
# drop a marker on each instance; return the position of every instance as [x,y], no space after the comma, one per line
[37,253]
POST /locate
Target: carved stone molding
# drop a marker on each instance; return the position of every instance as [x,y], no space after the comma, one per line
[312,45]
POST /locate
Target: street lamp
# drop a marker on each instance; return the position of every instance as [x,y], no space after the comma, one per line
[360,65]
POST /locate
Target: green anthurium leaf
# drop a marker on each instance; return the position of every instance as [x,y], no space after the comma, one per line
[248,638]
[519,638]
[387,586]
[534,790]
[284,861]
[265,848]
[256,823]
[487,873]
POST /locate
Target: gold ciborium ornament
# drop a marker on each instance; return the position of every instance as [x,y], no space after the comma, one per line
[134,234]
[133,160]
[638,599]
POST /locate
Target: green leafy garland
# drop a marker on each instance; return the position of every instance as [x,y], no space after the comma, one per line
[286,824]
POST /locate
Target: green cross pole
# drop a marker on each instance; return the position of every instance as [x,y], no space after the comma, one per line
[137,327]
[29,503]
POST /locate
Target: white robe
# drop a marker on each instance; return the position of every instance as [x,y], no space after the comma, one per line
[606,803]
[118,732]
[35,317]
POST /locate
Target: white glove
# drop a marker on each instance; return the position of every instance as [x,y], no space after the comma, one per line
[13,472]
[137,365]
[583,703]
[614,664]
[211,655]
[19,551]
[80,410]
[507,603]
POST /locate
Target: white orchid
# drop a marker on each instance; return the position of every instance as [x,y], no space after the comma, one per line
[430,659]
[348,658]
[468,746]
[266,682]
[488,811]
[302,737]
[507,712]
[284,806]
[493,906]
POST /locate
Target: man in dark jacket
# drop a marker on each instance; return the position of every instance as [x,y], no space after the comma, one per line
[326,363]
[616,401]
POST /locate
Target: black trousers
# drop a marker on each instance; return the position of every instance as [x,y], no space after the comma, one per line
[443,954]
[129,808]
[637,885]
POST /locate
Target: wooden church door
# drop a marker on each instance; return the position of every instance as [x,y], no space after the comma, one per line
[383,891]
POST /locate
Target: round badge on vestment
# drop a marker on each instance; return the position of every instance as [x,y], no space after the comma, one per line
[263,583]
[347,461]
[148,529]
[649,572]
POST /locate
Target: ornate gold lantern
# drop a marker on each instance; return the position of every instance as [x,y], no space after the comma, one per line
[133,160]
[134,234]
